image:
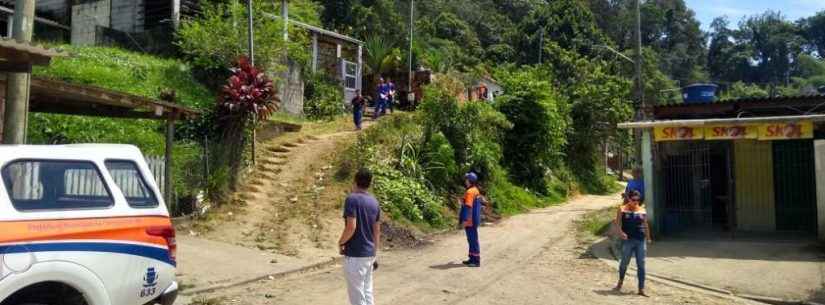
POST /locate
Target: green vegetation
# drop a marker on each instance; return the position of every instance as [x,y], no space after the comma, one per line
[134,73]
[216,39]
[322,97]
[596,224]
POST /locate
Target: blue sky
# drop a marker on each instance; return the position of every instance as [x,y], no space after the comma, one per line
[707,10]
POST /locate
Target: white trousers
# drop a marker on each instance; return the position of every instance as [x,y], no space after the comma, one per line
[358,271]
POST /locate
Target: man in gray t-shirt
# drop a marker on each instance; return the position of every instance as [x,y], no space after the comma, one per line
[360,239]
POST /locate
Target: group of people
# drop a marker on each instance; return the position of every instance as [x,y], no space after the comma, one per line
[361,236]
[385,100]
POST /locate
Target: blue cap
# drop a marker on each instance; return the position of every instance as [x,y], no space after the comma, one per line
[472,177]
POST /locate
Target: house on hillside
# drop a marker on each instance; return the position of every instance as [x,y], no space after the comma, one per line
[337,56]
[134,24]
[731,167]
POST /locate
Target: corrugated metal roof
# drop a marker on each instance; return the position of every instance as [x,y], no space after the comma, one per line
[752,100]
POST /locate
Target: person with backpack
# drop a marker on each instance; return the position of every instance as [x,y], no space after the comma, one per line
[469,218]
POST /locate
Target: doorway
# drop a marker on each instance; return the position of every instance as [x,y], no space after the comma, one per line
[695,177]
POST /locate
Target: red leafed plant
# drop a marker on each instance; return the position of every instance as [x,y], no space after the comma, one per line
[248,92]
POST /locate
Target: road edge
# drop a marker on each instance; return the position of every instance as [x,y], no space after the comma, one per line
[601,250]
[271,276]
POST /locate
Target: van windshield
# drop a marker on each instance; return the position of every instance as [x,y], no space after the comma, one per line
[55,185]
[131,183]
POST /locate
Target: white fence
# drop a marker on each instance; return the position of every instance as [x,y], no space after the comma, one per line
[85,181]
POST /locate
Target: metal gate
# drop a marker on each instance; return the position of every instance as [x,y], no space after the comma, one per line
[684,178]
[795,185]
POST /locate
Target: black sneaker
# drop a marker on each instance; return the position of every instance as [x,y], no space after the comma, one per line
[474,265]
[467,262]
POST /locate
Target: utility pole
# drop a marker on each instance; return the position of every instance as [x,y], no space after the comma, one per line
[541,43]
[638,62]
[251,33]
[17,84]
[641,115]
[410,71]
[285,15]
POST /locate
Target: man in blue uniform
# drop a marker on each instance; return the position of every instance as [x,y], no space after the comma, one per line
[469,218]
[383,93]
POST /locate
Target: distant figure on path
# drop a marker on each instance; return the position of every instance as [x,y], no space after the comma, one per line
[391,100]
[469,218]
[360,239]
[636,184]
[631,220]
[383,93]
[358,104]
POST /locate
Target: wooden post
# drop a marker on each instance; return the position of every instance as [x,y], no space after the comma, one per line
[17,84]
[167,175]
[314,52]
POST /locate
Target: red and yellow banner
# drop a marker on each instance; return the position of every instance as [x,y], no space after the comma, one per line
[731,132]
[678,133]
[765,132]
[786,131]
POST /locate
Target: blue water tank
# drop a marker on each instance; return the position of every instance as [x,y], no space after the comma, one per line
[699,93]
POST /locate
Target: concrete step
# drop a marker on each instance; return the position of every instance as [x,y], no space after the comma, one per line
[278,149]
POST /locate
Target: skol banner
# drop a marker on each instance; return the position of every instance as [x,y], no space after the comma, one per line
[678,133]
[731,132]
[786,131]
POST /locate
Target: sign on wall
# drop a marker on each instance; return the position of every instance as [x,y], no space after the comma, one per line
[765,132]
[678,133]
[786,131]
[731,132]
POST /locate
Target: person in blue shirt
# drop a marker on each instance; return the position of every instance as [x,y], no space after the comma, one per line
[383,94]
[635,184]
[391,100]
[469,218]
[358,103]
[360,239]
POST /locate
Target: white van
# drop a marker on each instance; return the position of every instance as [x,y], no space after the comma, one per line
[83,225]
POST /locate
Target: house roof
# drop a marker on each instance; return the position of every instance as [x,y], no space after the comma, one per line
[743,107]
[56,96]
[319,30]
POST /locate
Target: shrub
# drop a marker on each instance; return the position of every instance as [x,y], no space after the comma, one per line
[535,144]
[439,159]
[323,98]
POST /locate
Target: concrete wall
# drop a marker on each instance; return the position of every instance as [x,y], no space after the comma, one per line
[291,91]
[127,15]
[86,16]
[819,151]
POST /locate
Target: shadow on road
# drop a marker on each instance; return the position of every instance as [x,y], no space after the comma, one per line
[448,266]
[611,292]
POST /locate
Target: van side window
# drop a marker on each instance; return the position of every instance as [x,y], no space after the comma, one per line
[55,185]
[131,183]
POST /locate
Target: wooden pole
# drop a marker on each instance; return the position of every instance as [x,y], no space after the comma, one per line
[167,169]
[17,84]
[251,34]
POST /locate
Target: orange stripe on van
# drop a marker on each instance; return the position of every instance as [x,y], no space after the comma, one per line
[129,229]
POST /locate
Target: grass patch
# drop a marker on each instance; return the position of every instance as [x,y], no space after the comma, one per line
[595,224]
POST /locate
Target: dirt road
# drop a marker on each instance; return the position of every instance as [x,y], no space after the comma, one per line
[528,259]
